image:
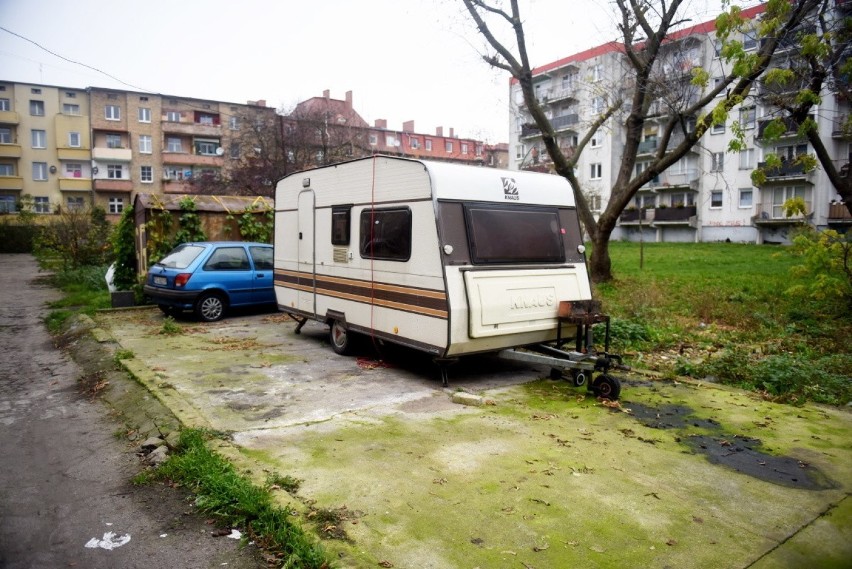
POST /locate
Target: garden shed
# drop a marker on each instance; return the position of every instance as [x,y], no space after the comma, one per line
[159,218]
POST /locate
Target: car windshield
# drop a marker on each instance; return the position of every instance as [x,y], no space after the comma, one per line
[181,257]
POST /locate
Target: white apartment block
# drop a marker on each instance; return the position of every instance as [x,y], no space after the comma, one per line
[708,195]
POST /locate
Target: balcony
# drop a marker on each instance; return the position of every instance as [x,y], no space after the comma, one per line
[838,214]
[788,171]
[636,216]
[791,127]
[565,121]
[11,183]
[9,117]
[530,131]
[773,215]
[192,128]
[648,146]
[112,154]
[74,153]
[10,150]
[106,185]
[75,184]
[186,159]
[675,181]
[684,215]
[842,128]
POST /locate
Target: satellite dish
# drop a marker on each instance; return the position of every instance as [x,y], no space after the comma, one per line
[220,151]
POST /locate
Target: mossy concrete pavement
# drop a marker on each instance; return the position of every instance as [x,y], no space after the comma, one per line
[678,474]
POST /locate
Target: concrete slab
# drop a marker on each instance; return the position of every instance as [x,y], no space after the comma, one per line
[543,475]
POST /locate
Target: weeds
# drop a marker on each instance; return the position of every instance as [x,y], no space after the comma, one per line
[234,501]
[287,483]
[170,327]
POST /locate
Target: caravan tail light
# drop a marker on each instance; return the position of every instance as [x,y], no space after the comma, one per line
[182,279]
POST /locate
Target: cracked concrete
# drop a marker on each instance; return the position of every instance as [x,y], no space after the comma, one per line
[542,475]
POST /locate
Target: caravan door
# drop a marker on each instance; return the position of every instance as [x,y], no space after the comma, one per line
[306,281]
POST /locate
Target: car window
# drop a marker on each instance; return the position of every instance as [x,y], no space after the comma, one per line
[228,259]
[181,256]
[262,257]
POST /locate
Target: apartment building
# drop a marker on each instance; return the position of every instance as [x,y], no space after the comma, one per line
[342,132]
[708,194]
[74,148]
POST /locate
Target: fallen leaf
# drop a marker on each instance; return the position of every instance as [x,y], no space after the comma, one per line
[671,542]
[697,520]
[385,564]
[538,548]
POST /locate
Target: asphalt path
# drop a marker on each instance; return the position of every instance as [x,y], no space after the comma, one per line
[65,494]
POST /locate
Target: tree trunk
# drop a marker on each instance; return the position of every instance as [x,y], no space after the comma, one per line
[600,265]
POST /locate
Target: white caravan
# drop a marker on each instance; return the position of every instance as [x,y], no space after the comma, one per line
[445,258]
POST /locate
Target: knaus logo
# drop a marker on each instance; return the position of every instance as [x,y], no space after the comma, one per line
[531,299]
[510,189]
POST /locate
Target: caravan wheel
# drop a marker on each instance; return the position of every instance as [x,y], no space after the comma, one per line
[607,387]
[340,338]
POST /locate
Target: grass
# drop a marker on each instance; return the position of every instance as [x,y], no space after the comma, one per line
[221,492]
[718,311]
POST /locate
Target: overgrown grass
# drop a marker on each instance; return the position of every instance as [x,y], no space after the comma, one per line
[719,311]
[234,501]
[84,290]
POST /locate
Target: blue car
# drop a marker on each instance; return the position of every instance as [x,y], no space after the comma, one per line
[211,277]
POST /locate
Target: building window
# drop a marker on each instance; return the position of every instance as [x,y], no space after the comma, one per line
[428,144]
[374,140]
[682,199]
[747,159]
[206,147]
[70,94]
[596,142]
[235,150]
[414,142]
[146,174]
[40,171]
[173,116]
[7,170]
[716,199]
[115,171]
[37,108]
[594,202]
[596,171]
[746,197]
[75,203]
[390,140]
[718,129]
[718,162]
[174,145]
[116,205]
[74,170]
[7,204]
[598,105]
[144,114]
[479,150]
[234,123]
[113,141]
[41,204]
[70,109]
[5,105]
[206,119]
[112,113]
[39,138]
[716,82]
[145,144]
[597,72]
[779,195]
[448,146]
[748,117]
[464,148]
[520,151]
[750,40]
[74,139]
[5,135]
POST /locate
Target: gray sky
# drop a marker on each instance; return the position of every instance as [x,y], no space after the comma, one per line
[402,59]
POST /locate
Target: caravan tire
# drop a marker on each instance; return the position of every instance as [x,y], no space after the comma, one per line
[340,338]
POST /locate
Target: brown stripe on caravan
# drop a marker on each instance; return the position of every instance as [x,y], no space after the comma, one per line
[428,302]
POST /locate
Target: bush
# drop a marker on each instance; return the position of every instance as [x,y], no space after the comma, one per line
[17,238]
[75,239]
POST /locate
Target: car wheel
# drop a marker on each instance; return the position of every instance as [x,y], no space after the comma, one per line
[210,307]
[340,338]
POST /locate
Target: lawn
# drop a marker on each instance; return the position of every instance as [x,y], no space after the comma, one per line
[719,311]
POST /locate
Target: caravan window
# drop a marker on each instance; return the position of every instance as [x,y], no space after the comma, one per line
[514,234]
[386,234]
[340,222]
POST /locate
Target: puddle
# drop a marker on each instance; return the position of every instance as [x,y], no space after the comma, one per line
[740,453]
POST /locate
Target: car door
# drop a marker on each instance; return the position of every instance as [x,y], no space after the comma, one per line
[263,290]
[228,267]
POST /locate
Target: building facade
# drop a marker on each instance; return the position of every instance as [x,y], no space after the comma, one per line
[708,195]
[74,148]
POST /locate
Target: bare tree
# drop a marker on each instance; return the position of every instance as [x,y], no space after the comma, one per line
[645,27]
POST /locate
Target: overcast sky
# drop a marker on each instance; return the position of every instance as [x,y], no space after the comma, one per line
[402,59]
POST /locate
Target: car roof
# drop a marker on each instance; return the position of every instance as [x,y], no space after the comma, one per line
[219,243]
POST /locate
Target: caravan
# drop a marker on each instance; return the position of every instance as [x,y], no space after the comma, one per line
[445,258]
